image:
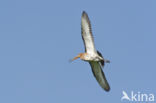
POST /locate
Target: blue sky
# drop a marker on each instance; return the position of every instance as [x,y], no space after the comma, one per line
[37,39]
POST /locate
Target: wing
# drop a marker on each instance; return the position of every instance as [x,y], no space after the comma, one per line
[99,75]
[87,34]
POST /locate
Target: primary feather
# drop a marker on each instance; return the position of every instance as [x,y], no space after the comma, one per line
[87,34]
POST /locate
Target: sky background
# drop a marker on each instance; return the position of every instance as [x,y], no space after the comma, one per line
[39,37]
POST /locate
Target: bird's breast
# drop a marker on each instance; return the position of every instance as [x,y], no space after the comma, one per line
[92,57]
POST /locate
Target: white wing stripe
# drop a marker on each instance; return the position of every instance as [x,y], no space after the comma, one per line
[87,34]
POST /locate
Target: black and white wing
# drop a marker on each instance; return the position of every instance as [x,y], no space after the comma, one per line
[99,75]
[87,34]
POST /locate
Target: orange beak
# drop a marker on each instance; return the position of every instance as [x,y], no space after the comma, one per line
[78,56]
[75,58]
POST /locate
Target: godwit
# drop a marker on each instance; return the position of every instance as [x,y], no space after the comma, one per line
[91,55]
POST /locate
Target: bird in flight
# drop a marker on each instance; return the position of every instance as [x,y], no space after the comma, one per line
[91,55]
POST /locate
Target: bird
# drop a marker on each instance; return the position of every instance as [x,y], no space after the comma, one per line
[91,55]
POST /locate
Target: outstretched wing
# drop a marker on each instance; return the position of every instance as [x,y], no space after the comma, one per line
[99,75]
[87,34]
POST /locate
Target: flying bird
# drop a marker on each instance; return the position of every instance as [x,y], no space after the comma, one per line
[91,55]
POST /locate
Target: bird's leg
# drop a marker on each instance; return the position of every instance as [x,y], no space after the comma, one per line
[106,61]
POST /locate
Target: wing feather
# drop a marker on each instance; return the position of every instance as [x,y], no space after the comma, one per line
[87,34]
[99,75]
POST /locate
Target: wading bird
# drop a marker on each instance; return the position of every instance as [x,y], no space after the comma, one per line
[91,55]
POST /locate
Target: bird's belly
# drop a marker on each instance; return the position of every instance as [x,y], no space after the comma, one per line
[92,58]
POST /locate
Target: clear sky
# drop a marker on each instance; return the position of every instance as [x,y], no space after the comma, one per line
[38,37]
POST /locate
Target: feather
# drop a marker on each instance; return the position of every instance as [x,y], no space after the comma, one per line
[99,75]
[87,34]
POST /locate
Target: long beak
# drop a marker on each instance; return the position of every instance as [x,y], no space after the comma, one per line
[75,58]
